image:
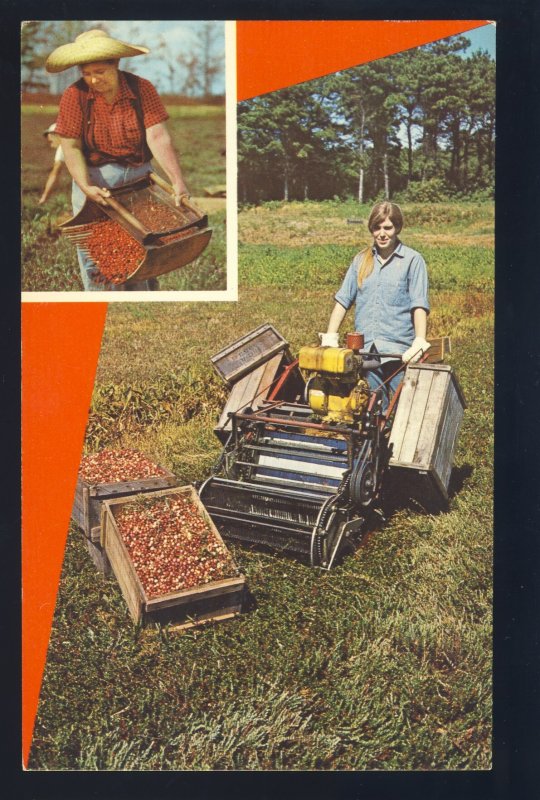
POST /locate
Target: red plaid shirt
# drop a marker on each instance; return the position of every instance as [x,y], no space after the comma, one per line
[116,128]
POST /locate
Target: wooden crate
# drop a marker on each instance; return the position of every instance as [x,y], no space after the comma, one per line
[425,429]
[248,352]
[249,392]
[99,557]
[257,367]
[213,601]
[86,511]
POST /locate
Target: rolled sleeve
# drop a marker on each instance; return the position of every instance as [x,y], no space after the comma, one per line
[346,294]
[70,119]
[418,283]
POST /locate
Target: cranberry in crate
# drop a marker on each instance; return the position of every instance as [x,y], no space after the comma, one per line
[170,561]
[107,474]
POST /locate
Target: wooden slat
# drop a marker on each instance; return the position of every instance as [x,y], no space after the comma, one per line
[439,349]
[246,353]
[416,417]
[203,620]
[99,557]
[251,390]
[403,410]
[267,379]
[427,437]
[121,564]
[444,455]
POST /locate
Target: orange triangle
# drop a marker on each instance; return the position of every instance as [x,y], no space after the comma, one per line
[272,54]
[60,347]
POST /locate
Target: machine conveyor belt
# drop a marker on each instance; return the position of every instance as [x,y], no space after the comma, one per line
[274,511]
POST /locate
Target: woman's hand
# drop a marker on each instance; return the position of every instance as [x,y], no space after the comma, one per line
[180,192]
[97,194]
[329,339]
[415,351]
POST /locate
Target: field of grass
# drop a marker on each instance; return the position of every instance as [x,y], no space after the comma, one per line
[382,664]
[50,264]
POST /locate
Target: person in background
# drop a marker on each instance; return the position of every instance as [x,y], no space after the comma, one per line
[58,165]
[388,284]
[111,124]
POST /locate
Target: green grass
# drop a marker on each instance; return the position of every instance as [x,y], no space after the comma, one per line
[450,267]
[50,263]
[382,664]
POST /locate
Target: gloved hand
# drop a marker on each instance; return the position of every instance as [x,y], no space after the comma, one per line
[415,351]
[329,339]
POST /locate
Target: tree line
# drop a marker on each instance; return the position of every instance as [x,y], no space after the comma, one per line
[419,124]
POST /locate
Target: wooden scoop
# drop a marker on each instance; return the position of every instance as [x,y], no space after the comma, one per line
[168,188]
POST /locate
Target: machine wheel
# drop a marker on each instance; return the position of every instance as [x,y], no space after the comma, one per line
[363,484]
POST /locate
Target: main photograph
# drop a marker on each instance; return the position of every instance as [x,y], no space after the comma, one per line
[123,156]
[280,555]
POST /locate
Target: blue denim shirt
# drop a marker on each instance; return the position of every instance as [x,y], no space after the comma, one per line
[386,299]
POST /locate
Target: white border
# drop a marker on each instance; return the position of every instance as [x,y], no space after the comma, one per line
[231,210]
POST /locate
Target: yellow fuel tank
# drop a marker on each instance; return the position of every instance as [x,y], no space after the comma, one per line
[336,360]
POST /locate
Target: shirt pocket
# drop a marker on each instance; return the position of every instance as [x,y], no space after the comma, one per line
[131,127]
[393,288]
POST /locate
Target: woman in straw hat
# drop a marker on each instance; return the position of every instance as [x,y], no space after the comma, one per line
[111,124]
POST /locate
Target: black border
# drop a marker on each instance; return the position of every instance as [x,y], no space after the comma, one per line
[517,531]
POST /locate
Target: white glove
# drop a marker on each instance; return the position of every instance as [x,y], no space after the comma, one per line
[415,351]
[329,339]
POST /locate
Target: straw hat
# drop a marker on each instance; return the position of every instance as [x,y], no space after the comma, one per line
[90,46]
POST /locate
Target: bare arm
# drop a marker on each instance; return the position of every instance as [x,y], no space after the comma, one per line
[76,164]
[160,143]
[420,322]
[336,318]
[51,182]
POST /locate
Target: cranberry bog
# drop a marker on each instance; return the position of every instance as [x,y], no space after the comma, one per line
[383,664]
[170,560]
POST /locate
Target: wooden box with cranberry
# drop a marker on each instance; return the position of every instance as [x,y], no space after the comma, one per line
[113,473]
[172,565]
[108,474]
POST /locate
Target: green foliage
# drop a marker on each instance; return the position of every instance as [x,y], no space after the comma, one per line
[296,249]
[425,116]
[434,190]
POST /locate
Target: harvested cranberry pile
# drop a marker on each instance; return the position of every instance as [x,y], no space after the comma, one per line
[173,237]
[154,215]
[116,466]
[116,254]
[172,547]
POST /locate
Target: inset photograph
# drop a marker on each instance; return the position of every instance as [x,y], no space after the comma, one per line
[123,156]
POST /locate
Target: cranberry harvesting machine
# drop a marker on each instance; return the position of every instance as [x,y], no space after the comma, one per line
[308,445]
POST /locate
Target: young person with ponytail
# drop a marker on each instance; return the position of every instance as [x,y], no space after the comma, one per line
[388,284]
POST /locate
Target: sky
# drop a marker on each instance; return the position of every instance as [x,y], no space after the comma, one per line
[482,39]
[181,36]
